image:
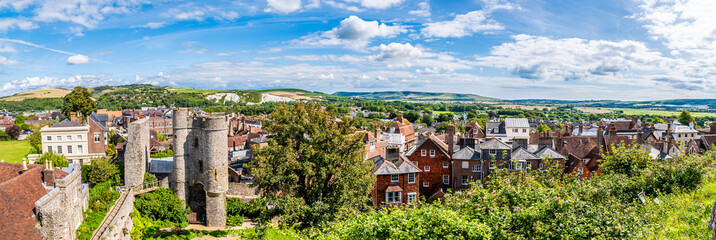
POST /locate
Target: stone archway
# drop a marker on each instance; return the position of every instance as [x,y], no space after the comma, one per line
[197,202]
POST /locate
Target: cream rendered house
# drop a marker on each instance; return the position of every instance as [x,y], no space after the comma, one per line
[70,139]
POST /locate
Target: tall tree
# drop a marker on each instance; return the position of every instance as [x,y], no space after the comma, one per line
[13,131]
[79,101]
[541,128]
[685,117]
[313,170]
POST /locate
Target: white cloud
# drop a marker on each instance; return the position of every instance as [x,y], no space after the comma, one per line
[7,48]
[462,25]
[686,26]
[16,23]
[31,83]
[82,12]
[326,76]
[376,4]
[395,51]
[353,33]
[423,10]
[77,59]
[5,61]
[283,6]
[18,5]
[152,25]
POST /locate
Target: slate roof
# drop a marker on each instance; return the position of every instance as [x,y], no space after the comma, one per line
[495,128]
[164,165]
[402,166]
[521,153]
[66,123]
[517,123]
[466,153]
[494,143]
[546,151]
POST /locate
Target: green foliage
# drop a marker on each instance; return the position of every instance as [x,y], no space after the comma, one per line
[79,101]
[315,164]
[163,154]
[657,120]
[101,199]
[446,117]
[542,128]
[628,160]
[162,204]
[13,131]
[237,210]
[161,137]
[412,116]
[685,117]
[427,119]
[149,177]
[32,104]
[58,160]
[100,170]
[4,136]
[427,222]
[35,140]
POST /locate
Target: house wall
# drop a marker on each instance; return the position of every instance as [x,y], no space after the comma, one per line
[459,172]
[384,181]
[435,176]
[94,145]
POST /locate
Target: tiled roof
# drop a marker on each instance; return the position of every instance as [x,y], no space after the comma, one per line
[394,188]
[402,166]
[494,128]
[548,152]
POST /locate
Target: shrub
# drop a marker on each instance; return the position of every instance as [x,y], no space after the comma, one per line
[163,154]
[58,160]
[99,170]
[148,177]
[162,204]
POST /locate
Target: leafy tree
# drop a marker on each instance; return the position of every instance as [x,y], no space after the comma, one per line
[446,117]
[542,128]
[58,160]
[685,117]
[161,137]
[162,204]
[35,140]
[163,154]
[100,170]
[427,119]
[313,170]
[13,131]
[20,121]
[412,116]
[4,136]
[79,101]
[657,120]
[627,160]
[149,177]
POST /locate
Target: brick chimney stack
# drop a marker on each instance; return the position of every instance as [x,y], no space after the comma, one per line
[49,174]
[377,133]
[581,128]
[400,118]
[600,136]
[74,117]
[449,140]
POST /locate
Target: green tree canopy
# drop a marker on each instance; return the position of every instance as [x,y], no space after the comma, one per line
[58,160]
[312,169]
[79,101]
[685,117]
[543,128]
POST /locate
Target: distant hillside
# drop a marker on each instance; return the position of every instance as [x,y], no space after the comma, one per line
[39,93]
[671,104]
[415,96]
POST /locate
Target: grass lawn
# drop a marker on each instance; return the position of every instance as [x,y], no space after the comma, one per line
[686,214]
[14,151]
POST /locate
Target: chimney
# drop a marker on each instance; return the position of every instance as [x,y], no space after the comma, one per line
[49,174]
[712,127]
[612,130]
[377,133]
[24,166]
[652,127]
[581,128]
[400,118]
[545,139]
[691,124]
[449,139]
[600,136]
[639,137]
[74,117]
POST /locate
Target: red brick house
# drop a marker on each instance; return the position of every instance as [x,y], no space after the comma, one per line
[432,157]
[396,182]
[467,167]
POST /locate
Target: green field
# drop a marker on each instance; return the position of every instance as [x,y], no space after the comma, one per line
[14,151]
[629,111]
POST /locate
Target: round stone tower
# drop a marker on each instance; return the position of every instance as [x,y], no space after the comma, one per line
[214,147]
[180,119]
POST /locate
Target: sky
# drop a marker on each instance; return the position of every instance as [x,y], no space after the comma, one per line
[510,49]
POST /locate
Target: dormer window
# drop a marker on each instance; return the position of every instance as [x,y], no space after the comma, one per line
[474,132]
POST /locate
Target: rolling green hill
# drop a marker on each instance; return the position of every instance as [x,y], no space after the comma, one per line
[415,96]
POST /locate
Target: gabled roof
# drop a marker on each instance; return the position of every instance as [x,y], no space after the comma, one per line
[548,152]
[439,143]
[494,143]
[521,153]
[466,153]
[402,166]
[517,123]
[495,128]
[65,123]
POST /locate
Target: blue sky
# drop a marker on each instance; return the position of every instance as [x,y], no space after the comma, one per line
[592,49]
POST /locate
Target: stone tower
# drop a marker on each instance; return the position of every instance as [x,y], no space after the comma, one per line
[136,155]
[200,175]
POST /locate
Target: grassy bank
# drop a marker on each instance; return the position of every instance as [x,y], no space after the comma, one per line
[14,151]
[685,214]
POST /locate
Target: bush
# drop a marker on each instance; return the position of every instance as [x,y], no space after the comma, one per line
[148,177]
[100,170]
[58,160]
[163,154]
[101,198]
[251,209]
[162,204]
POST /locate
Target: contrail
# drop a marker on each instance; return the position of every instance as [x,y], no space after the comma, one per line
[35,45]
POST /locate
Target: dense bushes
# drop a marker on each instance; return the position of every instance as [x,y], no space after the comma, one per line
[163,154]
[58,160]
[162,204]
[101,198]
[99,170]
[237,210]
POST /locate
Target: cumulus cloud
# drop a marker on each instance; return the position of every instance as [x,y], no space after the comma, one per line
[462,25]
[16,23]
[85,13]
[5,61]
[376,4]
[423,10]
[18,5]
[353,33]
[686,26]
[283,6]
[77,59]
[395,51]
[31,83]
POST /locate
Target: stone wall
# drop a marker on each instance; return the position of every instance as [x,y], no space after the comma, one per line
[241,189]
[60,211]
[120,227]
[136,155]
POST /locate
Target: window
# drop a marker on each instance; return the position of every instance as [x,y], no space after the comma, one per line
[541,166]
[580,171]
[69,137]
[394,178]
[411,197]
[69,149]
[524,130]
[464,180]
[392,197]
[59,138]
[49,148]
[49,138]
[476,168]
[96,137]
[411,177]
[515,130]
[426,168]
[529,166]
[423,152]
[445,165]
[82,161]
[79,149]
[79,137]
[426,184]
[493,152]
[474,132]
[518,166]
[492,165]
[432,153]
[446,179]
[59,149]
[465,164]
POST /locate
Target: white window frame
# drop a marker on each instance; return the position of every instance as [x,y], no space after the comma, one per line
[80,149]
[426,169]
[394,178]
[49,148]
[541,165]
[515,130]
[524,130]
[446,179]
[464,180]
[476,167]
[96,137]
[465,164]
[59,138]
[412,196]
[69,149]
[580,171]
[423,152]
[69,137]
[59,149]
[390,197]
[529,166]
[426,184]
[474,132]
[49,138]
[432,153]
[518,166]
[446,165]
[493,164]
[493,152]
[411,178]
[79,136]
